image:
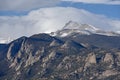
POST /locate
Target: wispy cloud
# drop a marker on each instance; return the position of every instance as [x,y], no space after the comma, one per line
[112,2]
[25,5]
[51,19]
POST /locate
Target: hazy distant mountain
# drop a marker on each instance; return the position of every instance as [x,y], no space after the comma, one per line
[81,54]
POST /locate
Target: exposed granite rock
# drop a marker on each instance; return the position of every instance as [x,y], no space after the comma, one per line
[108,73]
[44,57]
[109,59]
[118,58]
[90,60]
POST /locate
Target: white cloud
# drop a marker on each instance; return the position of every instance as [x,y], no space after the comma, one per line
[25,5]
[113,2]
[51,19]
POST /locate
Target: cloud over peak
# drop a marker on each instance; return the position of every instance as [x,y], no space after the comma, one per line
[51,19]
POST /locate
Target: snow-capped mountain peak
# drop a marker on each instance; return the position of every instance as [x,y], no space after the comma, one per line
[72,28]
[71,25]
[78,26]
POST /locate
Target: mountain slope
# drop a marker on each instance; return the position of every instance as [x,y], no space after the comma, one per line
[81,54]
[43,57]
[72,28]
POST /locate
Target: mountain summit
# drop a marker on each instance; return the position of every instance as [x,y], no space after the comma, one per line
[73,27]
[76,52]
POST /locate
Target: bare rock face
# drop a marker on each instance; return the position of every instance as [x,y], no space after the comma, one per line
[108,73]
[9,52]
[109,59]
[118,58]
[65,64]
[42,57]
[91,59]
[50,56]
[21,54]
[32,59]
[55,43]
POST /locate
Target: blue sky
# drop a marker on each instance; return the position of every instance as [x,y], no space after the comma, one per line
[27,17]
[112,11]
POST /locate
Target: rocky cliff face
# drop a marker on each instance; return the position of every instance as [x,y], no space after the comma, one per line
[43,57]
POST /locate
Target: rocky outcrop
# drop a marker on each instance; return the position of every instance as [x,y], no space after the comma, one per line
[90,60]
[42,57]
[118,58]
[108,73]
[109,59]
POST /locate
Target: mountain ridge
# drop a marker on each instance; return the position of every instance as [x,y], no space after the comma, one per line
[73,27]
[42,56]
[72,57]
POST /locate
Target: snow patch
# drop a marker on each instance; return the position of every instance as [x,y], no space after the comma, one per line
[64,35]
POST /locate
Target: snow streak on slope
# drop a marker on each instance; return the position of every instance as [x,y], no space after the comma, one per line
[72,27]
